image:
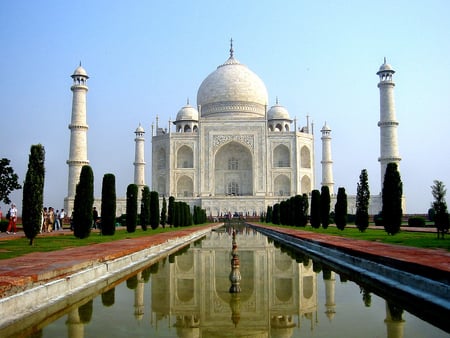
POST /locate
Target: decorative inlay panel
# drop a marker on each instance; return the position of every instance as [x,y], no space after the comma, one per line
[247,140]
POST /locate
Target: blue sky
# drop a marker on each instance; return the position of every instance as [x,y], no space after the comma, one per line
[145,58]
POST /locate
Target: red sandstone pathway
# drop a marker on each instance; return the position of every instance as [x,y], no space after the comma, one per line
[433,258]
[18,274]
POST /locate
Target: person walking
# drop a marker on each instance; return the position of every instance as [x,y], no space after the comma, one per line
[12,219]
[62,216]
[57,224]
[51,219]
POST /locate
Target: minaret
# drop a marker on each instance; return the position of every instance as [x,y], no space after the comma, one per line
[327,163]
[139,162]
[330,304]
[78,133]
[388,124]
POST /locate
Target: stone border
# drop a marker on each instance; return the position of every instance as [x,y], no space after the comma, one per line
[15,307]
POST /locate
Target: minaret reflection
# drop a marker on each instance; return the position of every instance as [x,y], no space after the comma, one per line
[139,297]
[329,279]
[395,324]
[235,279]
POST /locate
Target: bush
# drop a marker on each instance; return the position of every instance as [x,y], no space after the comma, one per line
[378,219]
[3,226]
[416,221]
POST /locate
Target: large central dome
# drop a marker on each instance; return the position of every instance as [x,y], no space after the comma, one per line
[232,90]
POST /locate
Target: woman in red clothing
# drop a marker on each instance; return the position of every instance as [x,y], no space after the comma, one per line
[12,219]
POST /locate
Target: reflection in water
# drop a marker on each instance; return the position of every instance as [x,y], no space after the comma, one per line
[282,295]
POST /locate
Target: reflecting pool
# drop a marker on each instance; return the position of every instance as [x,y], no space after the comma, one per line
[187,294]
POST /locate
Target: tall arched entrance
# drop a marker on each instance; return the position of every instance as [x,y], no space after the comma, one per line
[233,174]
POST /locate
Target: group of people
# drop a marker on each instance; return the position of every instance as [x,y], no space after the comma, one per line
[51,219]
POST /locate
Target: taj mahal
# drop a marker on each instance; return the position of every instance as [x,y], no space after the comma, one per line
[231,152]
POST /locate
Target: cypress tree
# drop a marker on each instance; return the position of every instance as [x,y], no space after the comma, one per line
[439,210]
[33,193]
[269,214]
[145,208]
[82,205]
[132,197]
[170,210]
[276,214]
[315,209]
[154,209]
[164,212]
[362,202]
[392,199]
[340,209]
[108,205]
[325,201]
[176,214]
[305,208]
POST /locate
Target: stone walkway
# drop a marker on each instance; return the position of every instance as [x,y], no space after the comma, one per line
[21,273]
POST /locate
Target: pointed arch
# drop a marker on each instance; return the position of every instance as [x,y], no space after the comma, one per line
[185,187]
[281,156]
[306,185]
[185,157]
[305,157]
[282,186]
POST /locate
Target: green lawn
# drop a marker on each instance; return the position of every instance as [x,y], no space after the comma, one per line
[17,247]
[414,239]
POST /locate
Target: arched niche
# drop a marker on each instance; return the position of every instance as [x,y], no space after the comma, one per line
[306,185]
[305,157]
[281,156]
[185,157]
[233,170]
[282,185]
[185,187]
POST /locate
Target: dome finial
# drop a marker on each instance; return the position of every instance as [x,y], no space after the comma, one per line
[276,100]
[231,48]
[385,60]
[187,101]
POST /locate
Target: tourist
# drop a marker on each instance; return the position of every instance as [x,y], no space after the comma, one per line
[57,225]
[50,219]
[94,217]
[12,219]
[1,214]
[44,220]
[61,216]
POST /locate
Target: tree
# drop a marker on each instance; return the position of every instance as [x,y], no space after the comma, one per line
[108,207]
[276,212]
[82,205]
[441,217]
[362,202]
[325,201]
[304,205]
[170,210]
[154,209]
[164,212]
[8,180]
[269,214]
[340,209]
[315,209]
[392,199]
[132,196]
[145,208]
[33,192]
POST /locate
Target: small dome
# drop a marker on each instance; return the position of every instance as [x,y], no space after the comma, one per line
[326,127]
[386,67]
[187,113]
[140,129]
[80,71]
[278,112]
